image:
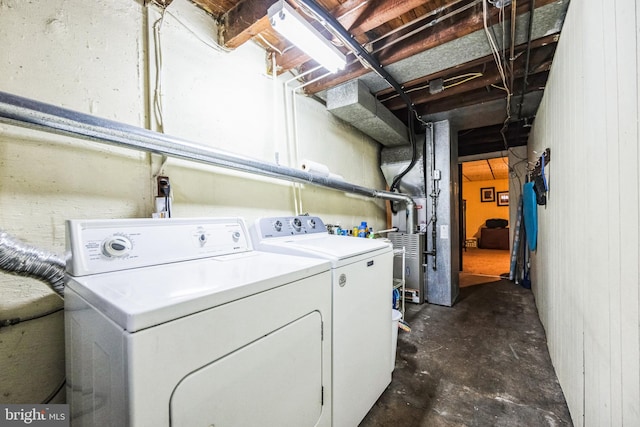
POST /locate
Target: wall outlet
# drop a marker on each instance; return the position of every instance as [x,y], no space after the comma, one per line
[163,185]
[163,208]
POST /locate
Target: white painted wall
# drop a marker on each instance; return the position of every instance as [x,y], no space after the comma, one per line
[585,271]
[97,57]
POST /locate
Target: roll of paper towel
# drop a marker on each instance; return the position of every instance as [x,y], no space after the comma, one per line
[315,168]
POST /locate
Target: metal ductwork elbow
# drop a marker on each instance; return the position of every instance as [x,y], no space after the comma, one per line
[24,260]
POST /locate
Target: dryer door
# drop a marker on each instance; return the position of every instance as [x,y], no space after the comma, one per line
[274,381]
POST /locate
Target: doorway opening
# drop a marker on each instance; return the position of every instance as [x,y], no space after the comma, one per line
[484,217]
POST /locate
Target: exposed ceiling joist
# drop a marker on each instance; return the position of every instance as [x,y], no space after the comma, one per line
[478,96]
[440,34]
[487,75]
[357,17]
[419,42]
[244,21]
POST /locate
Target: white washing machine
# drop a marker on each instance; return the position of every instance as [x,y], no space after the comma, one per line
[362,272]
[181,323]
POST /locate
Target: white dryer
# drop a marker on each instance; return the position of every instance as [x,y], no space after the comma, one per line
[362,275]
[181,323]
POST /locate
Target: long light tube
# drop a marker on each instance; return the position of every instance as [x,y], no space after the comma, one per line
[286,21]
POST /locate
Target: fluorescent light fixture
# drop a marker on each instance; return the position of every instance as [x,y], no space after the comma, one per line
[285,20]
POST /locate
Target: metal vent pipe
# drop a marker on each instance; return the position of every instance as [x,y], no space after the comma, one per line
[23,260]
[42,116]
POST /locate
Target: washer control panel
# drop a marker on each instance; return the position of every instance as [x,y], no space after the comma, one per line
[289,226]
[97,246]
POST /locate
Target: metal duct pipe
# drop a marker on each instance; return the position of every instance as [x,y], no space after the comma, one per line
[368,59]
[23,260]
[39,115]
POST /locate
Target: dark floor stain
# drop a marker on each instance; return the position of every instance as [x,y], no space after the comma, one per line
[482,362]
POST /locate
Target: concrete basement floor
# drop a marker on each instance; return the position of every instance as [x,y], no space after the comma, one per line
[483,362]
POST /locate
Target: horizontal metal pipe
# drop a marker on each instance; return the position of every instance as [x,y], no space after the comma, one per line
[33,114]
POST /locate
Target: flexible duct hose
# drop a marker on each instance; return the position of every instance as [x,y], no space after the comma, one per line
[23,260]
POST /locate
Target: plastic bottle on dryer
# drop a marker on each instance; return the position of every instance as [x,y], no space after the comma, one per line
[362,230]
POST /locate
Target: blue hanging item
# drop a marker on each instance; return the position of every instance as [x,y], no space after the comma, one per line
[530,208]
[395,299]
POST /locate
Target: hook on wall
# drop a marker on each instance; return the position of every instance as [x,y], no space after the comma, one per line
[537,176]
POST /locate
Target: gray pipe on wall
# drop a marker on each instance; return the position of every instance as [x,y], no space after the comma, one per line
[24,260]
[38,115]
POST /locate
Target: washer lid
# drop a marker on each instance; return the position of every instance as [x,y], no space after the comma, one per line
[140,298]
[338,249]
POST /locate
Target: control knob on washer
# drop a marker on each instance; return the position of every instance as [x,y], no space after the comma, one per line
[116,246]
[296,224]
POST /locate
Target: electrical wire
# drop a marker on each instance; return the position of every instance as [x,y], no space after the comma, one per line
[421,28]
[157,95]
[467,77]
[492,44]
[16,320]
[157,33]
[421,120]
[292,135]
[165,160]
[304,8]
[55,392]
[265,41]
[497,56]
[214,46]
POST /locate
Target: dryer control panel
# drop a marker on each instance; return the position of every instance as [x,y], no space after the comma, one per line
[289,226]
[98,246]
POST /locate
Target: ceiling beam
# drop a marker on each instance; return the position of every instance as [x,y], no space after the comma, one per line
[489,139]
[358,17]
[244,21]
[214,7]
[440,34]
[477,96]
[539,63]
[470,65]
[492,134]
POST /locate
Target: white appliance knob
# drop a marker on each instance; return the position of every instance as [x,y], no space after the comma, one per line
[202,239]
[312,223]
[235,236]
[296,224]
[116,246]
[277,225]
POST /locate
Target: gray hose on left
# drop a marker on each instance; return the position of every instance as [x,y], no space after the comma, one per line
[24,260]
